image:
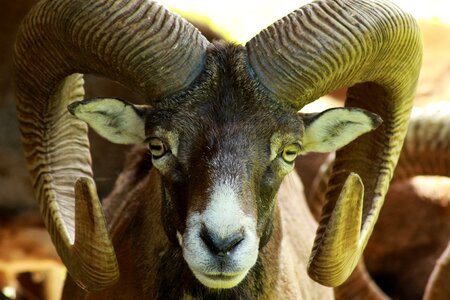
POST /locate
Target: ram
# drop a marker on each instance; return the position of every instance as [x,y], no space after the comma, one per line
[197,215]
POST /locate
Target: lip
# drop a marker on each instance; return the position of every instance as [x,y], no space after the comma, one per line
[220,280]
[221,277]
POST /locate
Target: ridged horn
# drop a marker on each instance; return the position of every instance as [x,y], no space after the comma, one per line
[375,49]
[359,285]
[137,43]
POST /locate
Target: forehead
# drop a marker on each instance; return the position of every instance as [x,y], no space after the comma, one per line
[225,103]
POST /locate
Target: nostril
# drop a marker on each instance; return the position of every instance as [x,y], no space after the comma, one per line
[221,245]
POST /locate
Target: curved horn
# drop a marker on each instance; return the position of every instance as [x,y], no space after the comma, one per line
[359,285]
[137,43]
[374,48]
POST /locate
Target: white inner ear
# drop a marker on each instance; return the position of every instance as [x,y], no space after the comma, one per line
[115,120]
[335,128]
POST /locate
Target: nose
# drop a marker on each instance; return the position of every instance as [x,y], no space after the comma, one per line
[221,245]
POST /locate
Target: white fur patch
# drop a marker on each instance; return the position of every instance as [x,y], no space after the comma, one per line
[223,213]
[222,217]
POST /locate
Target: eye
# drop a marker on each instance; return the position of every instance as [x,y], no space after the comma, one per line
[290,152]
[157,147]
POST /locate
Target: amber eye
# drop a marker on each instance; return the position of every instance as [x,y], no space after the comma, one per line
[157,147]
[290,152]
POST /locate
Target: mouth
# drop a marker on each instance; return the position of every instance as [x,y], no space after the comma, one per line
[223,277]
[220,280]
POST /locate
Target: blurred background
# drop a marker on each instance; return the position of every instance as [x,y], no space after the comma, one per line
[240,20]
[29,267]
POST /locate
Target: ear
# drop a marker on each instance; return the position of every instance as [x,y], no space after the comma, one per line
[116,120]
[334,128]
